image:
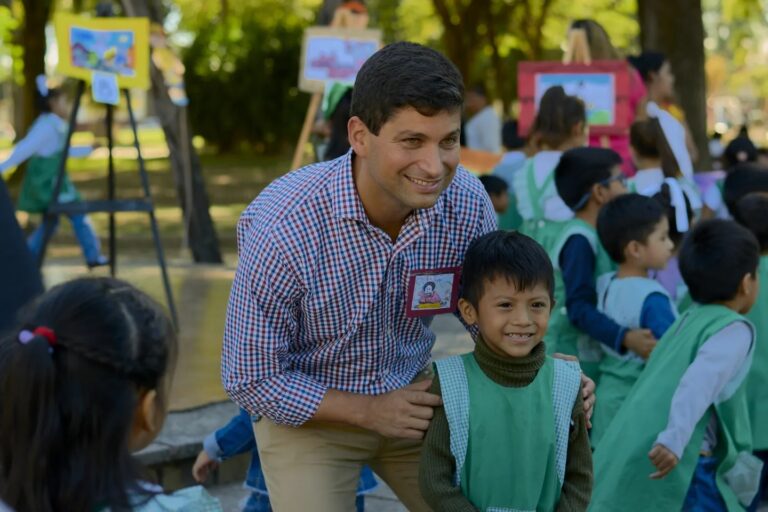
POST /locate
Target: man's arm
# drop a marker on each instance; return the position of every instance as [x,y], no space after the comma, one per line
[577,487]
[438,465]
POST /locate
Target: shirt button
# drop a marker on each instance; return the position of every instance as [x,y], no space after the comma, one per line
[563,311]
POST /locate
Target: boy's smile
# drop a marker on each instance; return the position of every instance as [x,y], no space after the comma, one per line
[511,321]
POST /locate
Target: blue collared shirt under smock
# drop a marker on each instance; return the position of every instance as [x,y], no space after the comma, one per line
[319,296]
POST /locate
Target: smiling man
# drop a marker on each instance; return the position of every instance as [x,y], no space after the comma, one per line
[325,340]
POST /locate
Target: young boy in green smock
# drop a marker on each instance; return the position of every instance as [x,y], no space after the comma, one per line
[634,230]
[751,211]
[682,438]
[512,432]
[586,179]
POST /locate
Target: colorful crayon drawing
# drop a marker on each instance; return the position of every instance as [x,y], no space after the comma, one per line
[110,45]
[334,55]
[597,90]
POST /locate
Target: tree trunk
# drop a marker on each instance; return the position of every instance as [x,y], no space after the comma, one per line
[676,29]
[200,231]
[32,39]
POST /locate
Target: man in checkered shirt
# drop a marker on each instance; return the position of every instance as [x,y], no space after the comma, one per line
[324,342]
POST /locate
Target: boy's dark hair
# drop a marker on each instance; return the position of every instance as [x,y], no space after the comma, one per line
[740,150]
[752,212]
[664,198]
[626,218]
[579,169]
[647,63]
[510,139]
[404,75]
[557,116]
[507,254]
[743,179]
[494,185]
[68,404]
[648,140]
[714,259]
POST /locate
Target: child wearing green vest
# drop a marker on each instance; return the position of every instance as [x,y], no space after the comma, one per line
[512,432]
[634,231]
[682,439]
[751,212]
[560,124]
[586,179]
[497,190]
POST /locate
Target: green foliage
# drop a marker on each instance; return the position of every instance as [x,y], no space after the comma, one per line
[242,73]
[8,24]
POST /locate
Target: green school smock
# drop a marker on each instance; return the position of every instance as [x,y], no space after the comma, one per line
[562,336]
[621,299]
[39,182]
[540,229]
[510,444]
[621,460]
[757,381]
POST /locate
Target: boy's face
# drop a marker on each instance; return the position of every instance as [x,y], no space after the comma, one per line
[657,250]
[500,202]
[511,321]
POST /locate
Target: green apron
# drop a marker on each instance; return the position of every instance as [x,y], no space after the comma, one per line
[757,382]
[39,182]
[540,229]
[507,460]
[621,464]
[621,299]
[562,336]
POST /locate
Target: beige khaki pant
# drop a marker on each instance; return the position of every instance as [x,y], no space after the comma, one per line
[317,466]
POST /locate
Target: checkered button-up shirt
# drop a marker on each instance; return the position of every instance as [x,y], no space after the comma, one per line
[319,296]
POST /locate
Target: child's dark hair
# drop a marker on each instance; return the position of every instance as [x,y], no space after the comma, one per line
[404,75]
[743,179]
[664,198]
[556,118]
[627,218]
[579,169]
[648,141]
[751,212]
[509,255]
[510,139]
[70,378]
[494,185]
[44,102]
[739,150]
[647,63]
[714,259]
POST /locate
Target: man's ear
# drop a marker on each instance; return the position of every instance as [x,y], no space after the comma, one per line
[358,135]
[467,311]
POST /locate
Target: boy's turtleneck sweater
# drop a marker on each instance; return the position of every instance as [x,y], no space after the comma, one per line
[438,465]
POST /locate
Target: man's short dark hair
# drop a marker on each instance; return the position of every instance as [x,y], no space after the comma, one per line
[580,169]
[404,75]
[752,212]
[509,255]
[715,257]
[493,184]
[627,218]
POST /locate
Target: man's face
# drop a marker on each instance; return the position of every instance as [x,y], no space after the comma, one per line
[412,159]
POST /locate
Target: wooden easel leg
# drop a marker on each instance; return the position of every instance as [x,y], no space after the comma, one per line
[111,192]
[314,105]
[152,219]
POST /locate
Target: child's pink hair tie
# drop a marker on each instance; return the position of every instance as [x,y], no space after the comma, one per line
[26,335]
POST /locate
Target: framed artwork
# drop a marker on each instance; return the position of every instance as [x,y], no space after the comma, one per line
[119,46]
[331,54]
[602,85]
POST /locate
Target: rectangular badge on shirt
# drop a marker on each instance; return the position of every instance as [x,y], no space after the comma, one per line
[432,291]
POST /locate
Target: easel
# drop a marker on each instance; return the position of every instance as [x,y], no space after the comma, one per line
[111,205]
[342,18]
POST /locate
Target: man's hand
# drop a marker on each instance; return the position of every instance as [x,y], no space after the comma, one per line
[203,466]
[587,389]
[664,460]
[403,413]
[640,341]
